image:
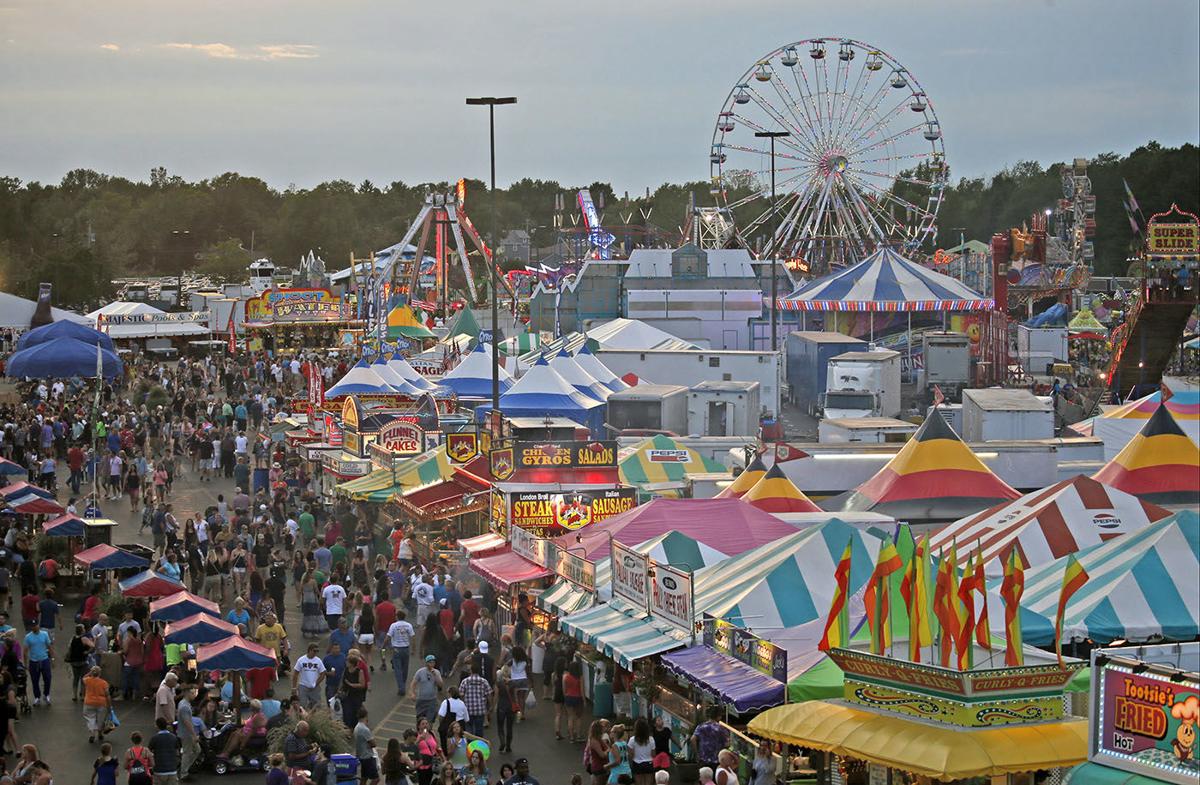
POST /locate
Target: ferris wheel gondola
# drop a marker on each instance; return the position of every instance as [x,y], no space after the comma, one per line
[857,170]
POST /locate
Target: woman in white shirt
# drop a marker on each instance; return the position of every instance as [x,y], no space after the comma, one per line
[641,753]
[726,768]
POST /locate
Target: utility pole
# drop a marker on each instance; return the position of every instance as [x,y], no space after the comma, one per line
[771,249]
[491,103]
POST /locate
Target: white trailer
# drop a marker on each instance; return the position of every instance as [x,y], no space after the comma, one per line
[1002,414]
[862,384]
[691,367]
[865,430]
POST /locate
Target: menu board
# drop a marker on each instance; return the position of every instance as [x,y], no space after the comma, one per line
[551,513]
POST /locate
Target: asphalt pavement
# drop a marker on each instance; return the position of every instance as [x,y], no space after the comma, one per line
[61,736]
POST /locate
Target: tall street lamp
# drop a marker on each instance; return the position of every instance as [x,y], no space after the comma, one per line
[491,103]
[771,249]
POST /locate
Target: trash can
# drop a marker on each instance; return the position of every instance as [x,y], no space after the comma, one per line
[262,479]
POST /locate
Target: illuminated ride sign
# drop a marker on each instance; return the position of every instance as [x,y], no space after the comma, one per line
[1173,239]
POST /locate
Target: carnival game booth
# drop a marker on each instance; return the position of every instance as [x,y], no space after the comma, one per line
[1160,465]
[662,467]
[935,478]
[301,320]
[542,392]
[1142,586]
[899,721]
[1144,709]
[1049,524]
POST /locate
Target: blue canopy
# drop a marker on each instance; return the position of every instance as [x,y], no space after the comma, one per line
[61,358]
[542,392]
[733,682]
[234,654]
[360,380]
[199,629]
[472,377]
[64,329]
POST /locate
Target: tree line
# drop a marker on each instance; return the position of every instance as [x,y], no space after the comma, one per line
[91,228]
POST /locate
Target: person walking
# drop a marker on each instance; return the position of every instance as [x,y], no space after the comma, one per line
[476,694]
[505,700]
[709,738]
[39,654]
[189,740]
[400,635]
[139,761]
[164,746]
[425,685]
[355,681]
[364,749]
[164,698]
[307,674]
[78,651]
[97,703]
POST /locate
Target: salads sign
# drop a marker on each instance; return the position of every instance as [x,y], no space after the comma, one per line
[630,575]
[548,514]
[566,455]
[1147,725]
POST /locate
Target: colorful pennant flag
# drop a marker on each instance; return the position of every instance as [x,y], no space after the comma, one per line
[1074,576]
[943,608]
[915,591]
[1011,590]
[965,608]
[837,627]
[877,600]
[785,452]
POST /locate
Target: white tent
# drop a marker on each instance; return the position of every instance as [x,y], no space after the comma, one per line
[149,327]
[566,367]
[16,312]
[598,370]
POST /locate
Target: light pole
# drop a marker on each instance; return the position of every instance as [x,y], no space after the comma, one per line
[773,135]
[491,103]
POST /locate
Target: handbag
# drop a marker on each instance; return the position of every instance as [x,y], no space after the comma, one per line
[335,706]
[662,761]
[530,700]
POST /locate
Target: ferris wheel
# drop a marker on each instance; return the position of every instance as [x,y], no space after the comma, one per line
[862,165]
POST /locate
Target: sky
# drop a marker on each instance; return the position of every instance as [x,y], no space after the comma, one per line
[624,91]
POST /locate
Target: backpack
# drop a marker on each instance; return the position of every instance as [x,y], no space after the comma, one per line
[138,764]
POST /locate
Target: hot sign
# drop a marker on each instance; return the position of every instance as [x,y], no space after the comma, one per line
[1147,723]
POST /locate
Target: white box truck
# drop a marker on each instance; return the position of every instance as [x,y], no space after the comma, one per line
[862,384]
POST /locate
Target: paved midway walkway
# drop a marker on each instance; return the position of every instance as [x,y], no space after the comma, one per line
[60,734]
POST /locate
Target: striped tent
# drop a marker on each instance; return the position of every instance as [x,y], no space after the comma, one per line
[598,370]
[1161,464]
[394,380]
[776,493]
[472,377]
[520,344]
[410,374]
[661,459]
[577,377]
[542,392]
[1048,524]
[934,477]
[402,322]
[1182,406]
[745,481]
[360,380]
[381,485]
[1142,585]
[673,548]
[886,281]
[788,582]
[622,633]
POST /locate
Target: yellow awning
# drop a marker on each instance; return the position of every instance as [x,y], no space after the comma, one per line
[940,752]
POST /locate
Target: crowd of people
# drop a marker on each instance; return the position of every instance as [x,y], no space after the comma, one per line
[366,603]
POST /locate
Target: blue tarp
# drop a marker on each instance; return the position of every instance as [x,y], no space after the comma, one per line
[65,330]
[733,682]
[62,358]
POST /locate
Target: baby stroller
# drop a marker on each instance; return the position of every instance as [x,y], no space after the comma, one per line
[20,683]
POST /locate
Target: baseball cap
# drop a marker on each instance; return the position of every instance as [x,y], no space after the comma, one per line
[430,658]
[483,647]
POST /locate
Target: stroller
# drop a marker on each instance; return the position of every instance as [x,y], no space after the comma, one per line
[20,684]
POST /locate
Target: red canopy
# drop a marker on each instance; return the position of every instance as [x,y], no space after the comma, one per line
[504,568]
[181,605]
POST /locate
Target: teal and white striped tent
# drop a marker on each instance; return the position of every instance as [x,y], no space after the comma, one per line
[673,547]
[1142,585]
[778,585]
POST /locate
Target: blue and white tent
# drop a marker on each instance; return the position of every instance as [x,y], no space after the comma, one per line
[393,379]
[410,374]
[360,380]
[541,392]
[1141,585]
[886,281]
[598,370]
[472,377]
[566,367]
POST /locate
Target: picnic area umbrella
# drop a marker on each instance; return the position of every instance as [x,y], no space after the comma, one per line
[64,526]
[181,605]
[109,557]
[234,654]
[198,629]
[20,489]
[31,504]
[10,469]
[149,584]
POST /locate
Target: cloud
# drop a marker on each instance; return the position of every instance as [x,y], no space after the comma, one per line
[110,47]
[221,51]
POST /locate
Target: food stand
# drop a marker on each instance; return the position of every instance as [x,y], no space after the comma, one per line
[291,321]
[901,722]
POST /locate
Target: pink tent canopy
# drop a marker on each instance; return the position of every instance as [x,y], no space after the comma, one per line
[729,525]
